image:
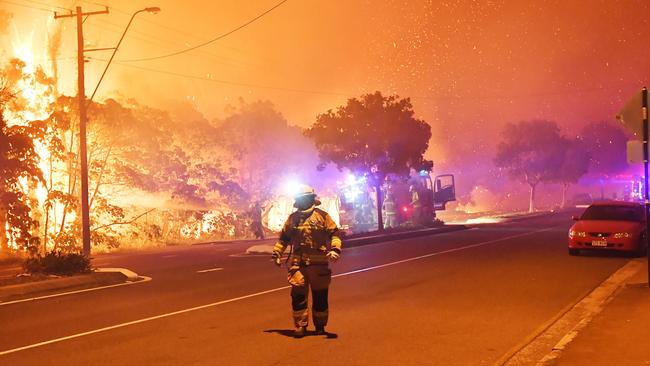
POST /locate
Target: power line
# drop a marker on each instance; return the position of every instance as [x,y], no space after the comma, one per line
[223,60]
[195,77]
[167,44]
[124,12]
[26,6]
[46,4]
[349,94]
[210,41]
[228,60]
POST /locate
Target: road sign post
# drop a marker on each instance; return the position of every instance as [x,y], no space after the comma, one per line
[646,195]
[635,117]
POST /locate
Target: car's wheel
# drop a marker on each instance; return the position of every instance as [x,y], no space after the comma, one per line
[573,251]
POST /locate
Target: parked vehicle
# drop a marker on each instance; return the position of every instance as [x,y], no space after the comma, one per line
[609,226]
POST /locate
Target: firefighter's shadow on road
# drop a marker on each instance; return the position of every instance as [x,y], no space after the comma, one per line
[289,333]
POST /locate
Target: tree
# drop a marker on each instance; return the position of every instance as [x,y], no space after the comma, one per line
[531,151]
[18,160]
[573,167]
[606,143]
[375,135]
[264,148]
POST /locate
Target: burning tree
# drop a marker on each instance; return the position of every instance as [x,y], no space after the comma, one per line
[18,165]
[140,160]
[531,151]
[375,135]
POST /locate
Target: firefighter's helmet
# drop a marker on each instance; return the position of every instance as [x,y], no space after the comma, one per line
[305,191]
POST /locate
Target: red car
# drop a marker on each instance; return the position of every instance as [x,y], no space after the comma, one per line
[609,226]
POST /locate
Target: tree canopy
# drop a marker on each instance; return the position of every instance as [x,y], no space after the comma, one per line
[372,134]
[531,151]
[574,166]
[264,148]
[18,160]
[606,144]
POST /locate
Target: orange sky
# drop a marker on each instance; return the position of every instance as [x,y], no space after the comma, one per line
[469,66]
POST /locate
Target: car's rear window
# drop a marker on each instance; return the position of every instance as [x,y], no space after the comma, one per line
[621,213]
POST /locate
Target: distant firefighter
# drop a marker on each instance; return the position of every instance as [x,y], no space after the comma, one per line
[416,205]
[308,231]
[390,211]
[256,221]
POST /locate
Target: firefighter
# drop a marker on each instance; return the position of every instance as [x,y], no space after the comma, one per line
[416,218]
[308,230]
[390,211]
[256,220]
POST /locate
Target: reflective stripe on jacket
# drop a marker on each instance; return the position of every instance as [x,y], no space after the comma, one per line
[309,232]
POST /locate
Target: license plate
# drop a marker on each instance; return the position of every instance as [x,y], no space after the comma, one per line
[599,243]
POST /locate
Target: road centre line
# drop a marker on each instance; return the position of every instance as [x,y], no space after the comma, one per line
[144,279]
[438,253]
[222,302]
[244,255]
[210,270]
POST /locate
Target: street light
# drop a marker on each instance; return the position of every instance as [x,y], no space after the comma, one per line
[152,10]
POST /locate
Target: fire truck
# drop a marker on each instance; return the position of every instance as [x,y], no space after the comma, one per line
[415,200]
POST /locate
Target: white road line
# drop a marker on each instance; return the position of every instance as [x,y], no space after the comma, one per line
[144,279]
[78,335]
[161,316]
[210,270]
[244,255]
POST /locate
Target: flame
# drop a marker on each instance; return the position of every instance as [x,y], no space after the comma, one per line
[34,100]
[34,96]
[44,155]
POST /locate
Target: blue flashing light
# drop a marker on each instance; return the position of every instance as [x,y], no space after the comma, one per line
[350,179]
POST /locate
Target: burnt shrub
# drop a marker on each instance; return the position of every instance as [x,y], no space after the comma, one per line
[58,263]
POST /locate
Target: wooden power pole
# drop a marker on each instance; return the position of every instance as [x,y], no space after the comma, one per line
[85,209]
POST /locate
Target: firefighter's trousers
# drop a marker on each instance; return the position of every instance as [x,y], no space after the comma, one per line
[302,278]
[390,221]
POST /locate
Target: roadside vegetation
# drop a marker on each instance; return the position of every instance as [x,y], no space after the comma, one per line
[57,263]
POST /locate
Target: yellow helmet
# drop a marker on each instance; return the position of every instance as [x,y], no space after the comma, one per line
[304,190]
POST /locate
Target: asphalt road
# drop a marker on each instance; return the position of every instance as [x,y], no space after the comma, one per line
[460,298]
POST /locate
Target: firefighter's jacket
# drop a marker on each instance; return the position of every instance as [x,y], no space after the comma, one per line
[389,207]
[415,199]
[309,232]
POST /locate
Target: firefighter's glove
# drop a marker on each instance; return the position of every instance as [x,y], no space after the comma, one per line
[333,256]
[275,257]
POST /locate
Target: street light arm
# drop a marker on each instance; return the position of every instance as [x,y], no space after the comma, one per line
[151,10]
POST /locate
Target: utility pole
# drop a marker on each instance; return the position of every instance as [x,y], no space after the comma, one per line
[85,209]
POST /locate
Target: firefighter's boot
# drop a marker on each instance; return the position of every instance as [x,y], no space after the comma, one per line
[299,332]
